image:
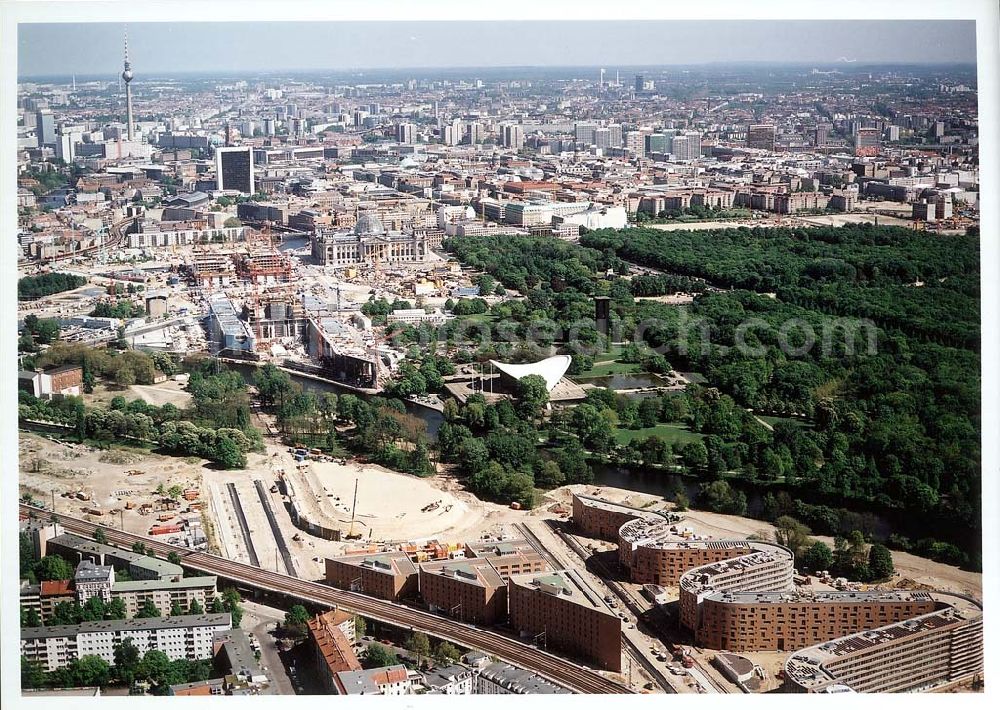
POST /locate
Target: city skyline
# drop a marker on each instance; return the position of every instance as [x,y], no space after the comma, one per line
[95,48]
[449,343]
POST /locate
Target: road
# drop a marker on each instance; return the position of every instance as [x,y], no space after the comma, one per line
[554,668]
[638,606]
[261,620]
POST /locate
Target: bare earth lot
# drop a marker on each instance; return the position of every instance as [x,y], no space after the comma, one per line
[389,504]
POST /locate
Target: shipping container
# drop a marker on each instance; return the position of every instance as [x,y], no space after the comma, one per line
[164,529]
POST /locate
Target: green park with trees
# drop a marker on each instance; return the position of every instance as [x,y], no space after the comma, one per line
[30,288]
[891,429]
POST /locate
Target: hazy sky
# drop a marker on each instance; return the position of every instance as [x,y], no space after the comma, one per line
[96,48]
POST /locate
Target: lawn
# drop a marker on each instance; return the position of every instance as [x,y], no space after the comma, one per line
[602,369]
[673,434]
[477,318]
[795,422]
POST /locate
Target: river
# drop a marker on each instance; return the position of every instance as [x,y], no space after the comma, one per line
[641,480]
[431,417]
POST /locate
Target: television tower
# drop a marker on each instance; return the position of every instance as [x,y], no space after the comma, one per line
[127,77]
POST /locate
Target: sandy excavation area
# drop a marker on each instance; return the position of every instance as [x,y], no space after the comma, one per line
[169,392]
[390,506]
[159,394]
[103,478]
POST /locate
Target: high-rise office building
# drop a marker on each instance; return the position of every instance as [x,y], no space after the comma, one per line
[65,148]
[679,148]
[615,137]
[761,136]
[406,133]
[635,142]
[892,133]
[45,127]
[512,136]
[866,142]
[234,169]
[584,133]
[659,143]
[451,134]
[640,82]
[602,138]
[474,133]
[687,146]
[821,134]
[268,126]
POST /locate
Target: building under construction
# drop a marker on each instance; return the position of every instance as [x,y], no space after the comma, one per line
[213,269]
[333,344]
[264,267]
[276,314]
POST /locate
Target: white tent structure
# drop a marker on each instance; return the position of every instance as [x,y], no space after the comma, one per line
[551,369]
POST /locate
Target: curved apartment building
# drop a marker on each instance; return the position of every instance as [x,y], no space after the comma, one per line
[923,653]
[739,595]
[764,567]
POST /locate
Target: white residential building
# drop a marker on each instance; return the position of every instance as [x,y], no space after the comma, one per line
[179,637]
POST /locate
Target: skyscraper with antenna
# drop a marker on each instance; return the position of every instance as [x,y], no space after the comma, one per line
[127,78]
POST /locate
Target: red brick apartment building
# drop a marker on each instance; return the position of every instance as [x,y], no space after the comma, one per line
[508,557]
[602,519]
[468,590]
[388,575]
[746,622]
[562,612]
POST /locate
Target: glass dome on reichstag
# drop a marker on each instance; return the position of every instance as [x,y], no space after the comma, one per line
[368,223]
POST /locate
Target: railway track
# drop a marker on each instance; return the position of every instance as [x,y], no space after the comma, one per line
[116,235]
[536,543]
[558,670]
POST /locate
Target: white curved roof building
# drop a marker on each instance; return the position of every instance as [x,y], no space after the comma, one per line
[551,369]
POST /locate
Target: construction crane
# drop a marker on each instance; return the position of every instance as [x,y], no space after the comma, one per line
[354,509]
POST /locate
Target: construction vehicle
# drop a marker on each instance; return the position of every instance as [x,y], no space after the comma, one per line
[354,510]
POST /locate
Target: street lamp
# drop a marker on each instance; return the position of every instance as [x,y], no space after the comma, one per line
[544,637]
[451,612]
